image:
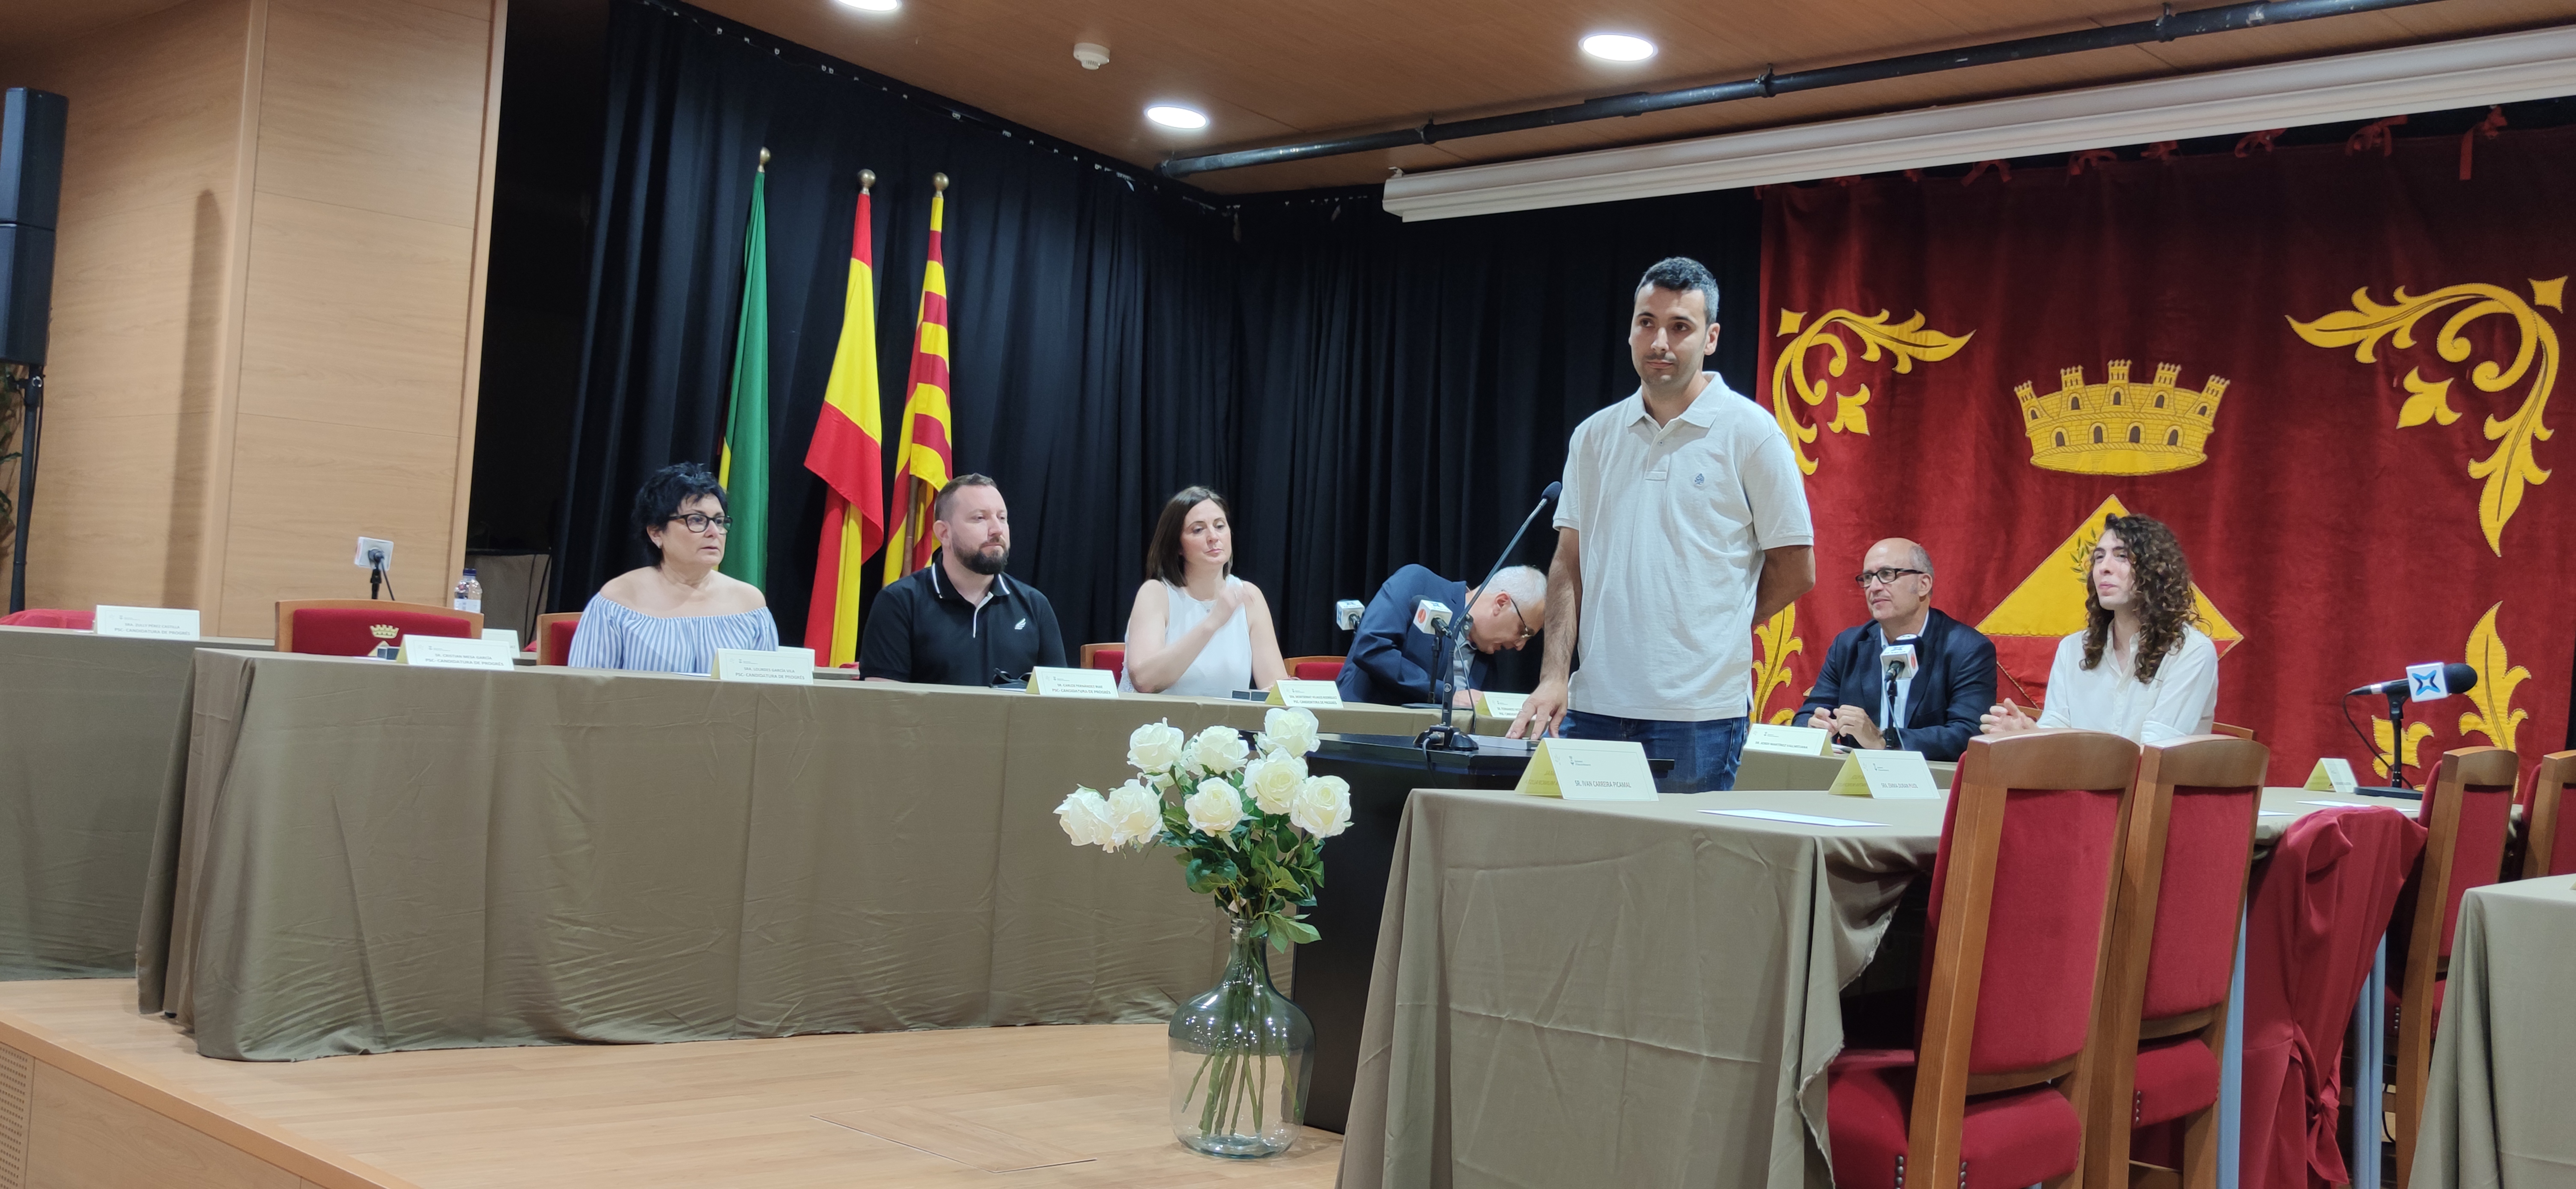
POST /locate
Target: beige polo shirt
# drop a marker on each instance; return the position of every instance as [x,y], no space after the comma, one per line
[1674,521]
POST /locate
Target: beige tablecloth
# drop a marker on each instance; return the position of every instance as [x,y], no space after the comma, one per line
[93,734]
[1589,994]
[371,857]
[2497,1113]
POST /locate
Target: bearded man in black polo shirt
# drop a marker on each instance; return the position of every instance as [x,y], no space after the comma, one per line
[958,621]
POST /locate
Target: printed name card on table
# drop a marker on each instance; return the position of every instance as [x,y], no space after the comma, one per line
[2332,776]
[1888,776]
[1588,770]
[786,666]
[505,637]
[147,623]
[452,652]
[1313,695]
[1503,706]
[1788,740]
[1051,682]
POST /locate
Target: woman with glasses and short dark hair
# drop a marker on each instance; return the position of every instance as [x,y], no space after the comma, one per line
[672,616]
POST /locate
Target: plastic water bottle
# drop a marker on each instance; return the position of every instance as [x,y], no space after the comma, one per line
[469,593]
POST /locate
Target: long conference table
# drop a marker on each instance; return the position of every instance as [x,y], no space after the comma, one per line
[366,857]
[1633,994]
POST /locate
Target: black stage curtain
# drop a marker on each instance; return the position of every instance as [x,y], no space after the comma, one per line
[1368,393]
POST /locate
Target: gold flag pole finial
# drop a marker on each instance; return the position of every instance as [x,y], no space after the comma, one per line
[764,160]
[867,180]
[939,182]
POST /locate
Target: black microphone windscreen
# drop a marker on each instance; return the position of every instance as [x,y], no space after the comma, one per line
[2459,677]
[1553,490]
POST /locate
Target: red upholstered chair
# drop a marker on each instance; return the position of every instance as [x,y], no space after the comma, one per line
[1112,657]
[2550,840]
[554,636]
[2467,807]
[2163,1017]
[2014,937]
[1315,668]
[353,627]
[51,617]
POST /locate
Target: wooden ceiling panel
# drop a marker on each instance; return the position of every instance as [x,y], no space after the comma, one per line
[26,24]
[1269,74]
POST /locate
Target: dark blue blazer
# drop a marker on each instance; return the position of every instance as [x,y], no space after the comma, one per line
[1390,663]
[1953,689]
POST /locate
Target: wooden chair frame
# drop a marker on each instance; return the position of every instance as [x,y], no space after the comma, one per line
[2488,766]
[1991,768]
[2540,826]
[286,609]
[1089,649]
[2197,761]
[2231,730]
[545,635]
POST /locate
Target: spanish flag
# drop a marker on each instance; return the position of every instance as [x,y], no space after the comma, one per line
[922,462]
[848,454]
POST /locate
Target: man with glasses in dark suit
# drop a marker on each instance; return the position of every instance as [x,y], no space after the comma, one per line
[1390,663]
[1937,699]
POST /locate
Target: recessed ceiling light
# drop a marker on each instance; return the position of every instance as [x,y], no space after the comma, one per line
[1171,116]
[1618,47]
[874,5]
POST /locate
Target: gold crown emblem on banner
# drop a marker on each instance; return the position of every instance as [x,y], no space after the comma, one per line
[2119,426]
[385,631]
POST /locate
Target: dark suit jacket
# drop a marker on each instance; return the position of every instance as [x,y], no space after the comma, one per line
[1954,687]
[1390,663]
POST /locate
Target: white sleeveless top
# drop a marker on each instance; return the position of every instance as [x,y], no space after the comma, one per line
[1222,667]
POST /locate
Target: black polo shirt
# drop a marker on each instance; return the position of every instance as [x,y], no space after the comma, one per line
[922,630]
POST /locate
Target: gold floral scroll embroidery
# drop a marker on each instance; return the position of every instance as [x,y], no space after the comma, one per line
[2416,734]
[2495,716]
[2515,462]
[1779,640]
[1907,341]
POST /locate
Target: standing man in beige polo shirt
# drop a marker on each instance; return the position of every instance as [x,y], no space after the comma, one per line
[1683,525]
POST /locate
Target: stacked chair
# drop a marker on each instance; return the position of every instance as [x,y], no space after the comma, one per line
[2468,808]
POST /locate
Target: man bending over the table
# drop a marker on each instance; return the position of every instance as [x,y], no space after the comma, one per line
[958,621]
[1935,709]
[2139,669]
[1683,524]
[1390,663]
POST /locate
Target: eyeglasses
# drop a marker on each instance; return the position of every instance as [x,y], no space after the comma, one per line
[1882,575]
[698,522]
[1515,604]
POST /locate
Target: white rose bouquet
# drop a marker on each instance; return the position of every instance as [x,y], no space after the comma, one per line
[1248,822]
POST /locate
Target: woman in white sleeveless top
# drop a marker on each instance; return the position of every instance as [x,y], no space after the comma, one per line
[1196,628]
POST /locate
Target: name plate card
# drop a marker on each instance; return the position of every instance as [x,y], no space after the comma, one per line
[786,666]
[1503,706]
[147,623]
[2332,776]
[1788,740]
[1588,770]
[451,652]
[1888,776]
[1051,682]
[1313,695]
[506,637]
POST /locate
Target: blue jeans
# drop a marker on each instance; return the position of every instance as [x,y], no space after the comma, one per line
[1704,754]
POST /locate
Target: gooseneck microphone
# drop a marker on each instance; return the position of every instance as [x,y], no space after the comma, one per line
[2427,682]
[1446,737]
[2457,678]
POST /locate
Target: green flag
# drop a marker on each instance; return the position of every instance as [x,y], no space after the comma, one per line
[744,466]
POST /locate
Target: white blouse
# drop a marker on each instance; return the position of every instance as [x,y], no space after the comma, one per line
[2182,700]
[1222,667]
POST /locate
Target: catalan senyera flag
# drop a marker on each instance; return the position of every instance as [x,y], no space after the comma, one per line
[848,454]
[743,468]
[923,461]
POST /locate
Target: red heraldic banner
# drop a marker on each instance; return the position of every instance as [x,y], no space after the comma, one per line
[2330,371]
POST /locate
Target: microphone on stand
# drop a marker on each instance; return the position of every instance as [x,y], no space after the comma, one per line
[1899,661]
[2428,682]
[1446,737]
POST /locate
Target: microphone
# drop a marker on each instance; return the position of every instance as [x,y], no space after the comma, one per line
[2426,682]
[1899,660]
[1347,612]
[1431,617]
[1445,737]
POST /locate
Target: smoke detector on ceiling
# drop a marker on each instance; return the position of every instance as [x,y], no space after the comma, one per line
[1092,57]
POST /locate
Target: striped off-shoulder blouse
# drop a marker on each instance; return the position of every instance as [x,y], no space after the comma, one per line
[615,636]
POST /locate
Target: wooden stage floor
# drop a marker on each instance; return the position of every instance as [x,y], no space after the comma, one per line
[115,1099]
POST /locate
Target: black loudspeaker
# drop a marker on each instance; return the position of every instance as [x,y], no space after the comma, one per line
[31,192]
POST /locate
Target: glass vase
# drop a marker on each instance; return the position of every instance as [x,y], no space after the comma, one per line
[1241,1055]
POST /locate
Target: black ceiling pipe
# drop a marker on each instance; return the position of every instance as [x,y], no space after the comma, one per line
[2171,25]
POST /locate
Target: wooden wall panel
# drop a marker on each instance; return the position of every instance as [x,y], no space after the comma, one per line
[140,295]
[83,1137]
[377,105]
